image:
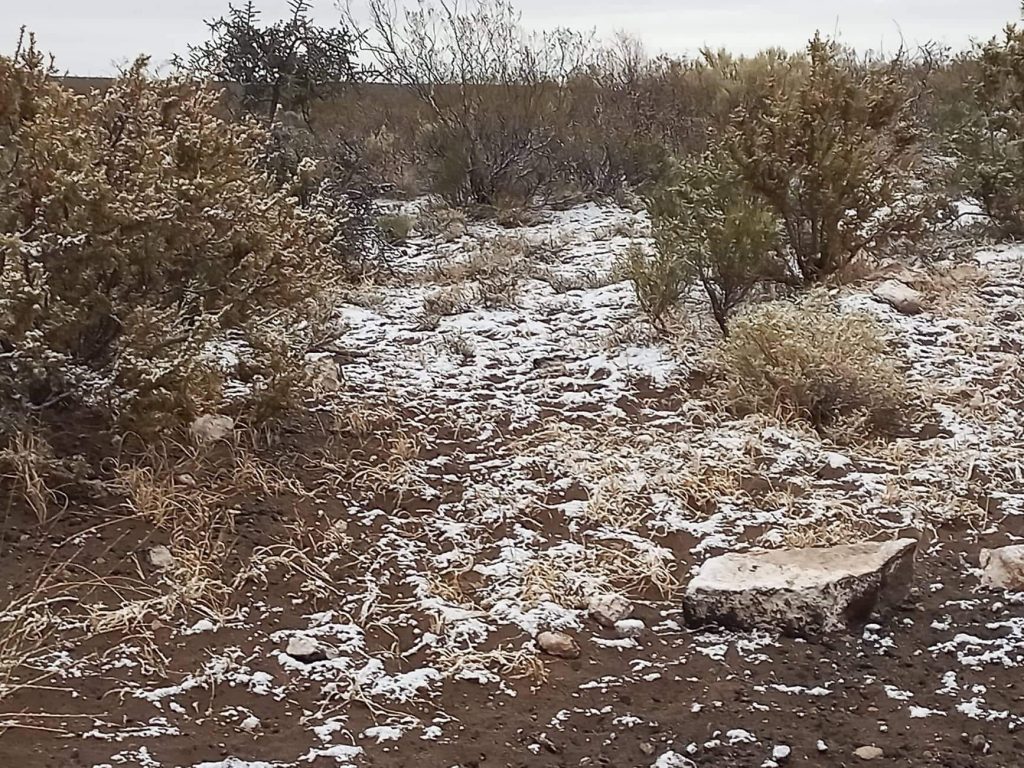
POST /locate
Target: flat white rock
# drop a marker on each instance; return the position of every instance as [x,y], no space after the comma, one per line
[1003,568]
[899,296]
[800,591]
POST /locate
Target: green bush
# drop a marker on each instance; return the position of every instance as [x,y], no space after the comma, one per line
[145,255]
[830,145]
[709,229]
[990,142]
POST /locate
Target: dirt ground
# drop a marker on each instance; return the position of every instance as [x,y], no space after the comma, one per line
[473,480]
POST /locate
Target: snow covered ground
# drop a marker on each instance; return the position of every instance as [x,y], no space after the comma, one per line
[552,449]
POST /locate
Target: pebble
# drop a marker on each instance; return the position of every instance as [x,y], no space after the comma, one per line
[868,753]
[608,609]
[630,627]
[305,649]
[558,644]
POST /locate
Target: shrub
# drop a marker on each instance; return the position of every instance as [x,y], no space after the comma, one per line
[492,93]
[286,65]
[660,281]
[811,361]
[830,146]
[395,227]
[143,251]
[715,232]
[990,142]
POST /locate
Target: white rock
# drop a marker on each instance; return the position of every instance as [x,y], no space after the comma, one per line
[558,644]
[630,627]
[1003,568]
[305,649]
[868,753]
[212,427]
[161,557]
[609,608]
[822,746]
[800,591]
[323,374]
[250,724]
[781,752]
[899,296]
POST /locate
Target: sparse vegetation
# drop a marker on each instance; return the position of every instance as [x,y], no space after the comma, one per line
[433,425]
[808,360]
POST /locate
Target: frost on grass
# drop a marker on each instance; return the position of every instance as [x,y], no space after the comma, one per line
[549,449]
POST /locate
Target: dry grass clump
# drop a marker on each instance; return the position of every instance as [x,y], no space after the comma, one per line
[810,361]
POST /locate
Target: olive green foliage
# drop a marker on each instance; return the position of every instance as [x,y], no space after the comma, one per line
[660,281]
[714,232]
[145,256]
[990,143]
[829,145]
[813,362]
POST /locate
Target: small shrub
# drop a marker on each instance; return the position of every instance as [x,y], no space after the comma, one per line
[443,222]
[395,227]
[660,281]
[811,361]
[443,302]
[717,233]
[830,146]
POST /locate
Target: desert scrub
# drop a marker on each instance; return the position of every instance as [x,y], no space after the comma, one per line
[808,360]
[990,143]
[709,229]
[145,256]
[660,282]
[395,227]
[830,144]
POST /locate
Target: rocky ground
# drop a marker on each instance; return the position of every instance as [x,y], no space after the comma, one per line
[498,453]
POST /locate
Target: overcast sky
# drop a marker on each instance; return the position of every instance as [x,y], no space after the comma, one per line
[89,37]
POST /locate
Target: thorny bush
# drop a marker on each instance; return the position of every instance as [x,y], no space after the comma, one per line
[710,230]
[830,145]
[145,255]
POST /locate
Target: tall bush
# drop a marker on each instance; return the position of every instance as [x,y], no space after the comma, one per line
[143,248]
[990,141]
[830,145]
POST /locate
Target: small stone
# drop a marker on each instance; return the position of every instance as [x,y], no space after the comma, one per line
[250,724]
[630,627]
[822,746]
[868,753]
[781,752]
[305,649]
[211,427]
[980,744]
[1003,568]
[161,557]
[608,609]
[899,296]
[323,373]
[558,644]
[647,748]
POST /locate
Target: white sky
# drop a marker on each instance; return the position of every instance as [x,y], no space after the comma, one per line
[89,37]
